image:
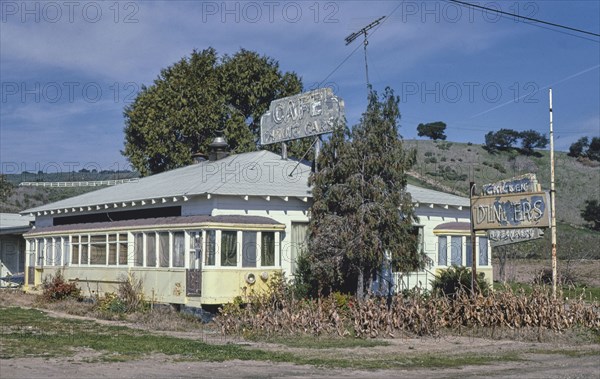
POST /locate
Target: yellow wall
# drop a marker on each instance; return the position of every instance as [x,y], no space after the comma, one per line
[162,285]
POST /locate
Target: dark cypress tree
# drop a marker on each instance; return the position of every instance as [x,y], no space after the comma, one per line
[362,212]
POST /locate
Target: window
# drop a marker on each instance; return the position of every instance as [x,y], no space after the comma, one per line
[163,249]
[40,252]
[483,251]
[210,247]
[138,249]
[442,247]
[249,249]
[112,249]
[178,249]
[299,243]
[469,252]
[150,250]
[195,250]
[228,248]
[267,249]
[122,252]
[66,251]
[58,251]
[456,251]
[75,250]
[98,250]
[83,240]
[49,253]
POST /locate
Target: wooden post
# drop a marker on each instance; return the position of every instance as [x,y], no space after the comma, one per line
[473,243]
[552,203]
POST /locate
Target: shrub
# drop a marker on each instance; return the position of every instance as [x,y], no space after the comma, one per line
[56,288]
[456,279]
[130,293]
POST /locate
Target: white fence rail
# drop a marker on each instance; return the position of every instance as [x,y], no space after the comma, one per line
[89,183]
[410,280]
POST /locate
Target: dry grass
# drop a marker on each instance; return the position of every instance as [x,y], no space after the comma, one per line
[273,315]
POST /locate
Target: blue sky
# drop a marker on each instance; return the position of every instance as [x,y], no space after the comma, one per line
[68,69]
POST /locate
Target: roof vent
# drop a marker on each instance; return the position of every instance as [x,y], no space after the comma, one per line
[199,157]
[218,149]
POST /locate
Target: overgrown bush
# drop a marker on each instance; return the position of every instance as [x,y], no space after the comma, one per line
[455,279]
[56,288]
[128,299]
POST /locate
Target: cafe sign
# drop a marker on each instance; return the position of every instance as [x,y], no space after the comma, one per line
[307,114]
[512,211]
[518,184]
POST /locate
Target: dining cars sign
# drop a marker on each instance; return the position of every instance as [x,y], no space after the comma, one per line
[512,211]
[307,114]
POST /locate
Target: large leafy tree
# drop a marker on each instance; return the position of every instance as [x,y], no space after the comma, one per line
[196,98]
[361,213]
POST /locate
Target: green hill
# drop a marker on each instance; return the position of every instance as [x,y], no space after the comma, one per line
[451,166]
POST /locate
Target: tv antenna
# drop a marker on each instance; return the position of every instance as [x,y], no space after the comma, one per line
[363,32]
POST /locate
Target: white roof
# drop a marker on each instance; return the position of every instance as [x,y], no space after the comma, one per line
[258,173]
[426,196]
[14,222]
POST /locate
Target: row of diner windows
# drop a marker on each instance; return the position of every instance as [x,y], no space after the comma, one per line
[458,251]
[214,248]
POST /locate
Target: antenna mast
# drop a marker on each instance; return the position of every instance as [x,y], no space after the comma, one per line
[363,32]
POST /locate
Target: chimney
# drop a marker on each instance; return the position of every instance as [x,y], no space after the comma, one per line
[218,149]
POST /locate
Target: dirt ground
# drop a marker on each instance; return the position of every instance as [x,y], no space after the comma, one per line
[531,365]
[556,357]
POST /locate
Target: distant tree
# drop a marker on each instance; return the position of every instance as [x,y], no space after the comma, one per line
[433,130]
[6,188]
[197,97]
[593,151]
[503,139]
[361,212]
[591,213]
[578,149]
[531,139]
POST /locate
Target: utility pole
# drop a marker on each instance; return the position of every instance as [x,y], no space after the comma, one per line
[552,202]
[363,32]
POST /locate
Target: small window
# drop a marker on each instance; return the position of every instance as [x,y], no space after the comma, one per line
[229,248]
[84,249]
[267,249]
[442,248]
[210,247]
[123,249]
[483,251]
[49,253]
[179,249]
[40,252]
[469,252]
[163,249]
[456,251]
[98,250]
[75,250]
[58,251]
[150,250]
[249,249]
[138,249]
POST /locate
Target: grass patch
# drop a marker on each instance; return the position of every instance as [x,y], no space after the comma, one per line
[572,292]
[307,342]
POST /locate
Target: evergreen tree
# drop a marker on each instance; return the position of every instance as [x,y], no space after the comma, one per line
[434,130]
[361,212]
